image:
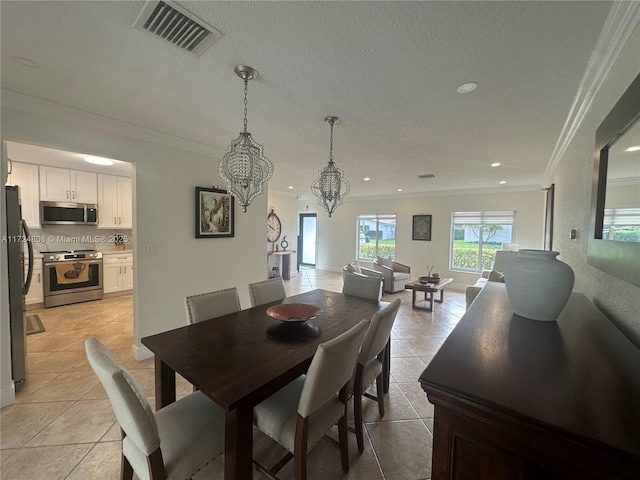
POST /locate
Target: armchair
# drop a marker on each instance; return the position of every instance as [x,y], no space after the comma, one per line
[494,275]
[395,274]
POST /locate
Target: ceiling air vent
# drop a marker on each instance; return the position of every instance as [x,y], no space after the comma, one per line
[427,175]
[172,23]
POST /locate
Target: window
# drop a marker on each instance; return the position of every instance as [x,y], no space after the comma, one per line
[475,237]
[377,236]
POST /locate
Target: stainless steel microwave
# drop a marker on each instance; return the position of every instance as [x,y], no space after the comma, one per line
[63,213]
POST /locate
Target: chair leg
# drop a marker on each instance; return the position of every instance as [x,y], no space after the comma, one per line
[300,449]
[357,419]
[344,444]
[126,470]
[380,394]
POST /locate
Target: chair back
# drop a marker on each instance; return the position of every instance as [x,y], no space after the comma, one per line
[267,291]
[212,305]
[362,286]
[378,332]
[330,369]
[129,403]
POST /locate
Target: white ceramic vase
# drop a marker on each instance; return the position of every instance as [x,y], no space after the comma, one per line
[538,284]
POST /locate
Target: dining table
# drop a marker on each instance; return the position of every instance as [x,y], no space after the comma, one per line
[239,360]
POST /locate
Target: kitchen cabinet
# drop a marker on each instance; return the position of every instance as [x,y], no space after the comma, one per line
[114,202]
[63,185]
[117,273]
[36,294]
[25,175]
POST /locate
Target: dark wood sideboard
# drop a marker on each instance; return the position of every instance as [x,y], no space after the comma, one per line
[521,399]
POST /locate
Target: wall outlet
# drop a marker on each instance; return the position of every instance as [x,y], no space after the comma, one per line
[151,248]
[573,234]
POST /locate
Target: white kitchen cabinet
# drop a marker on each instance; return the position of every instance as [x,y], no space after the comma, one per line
[114,202]
[117,272]
[63,185]
[25,175]
[36,294]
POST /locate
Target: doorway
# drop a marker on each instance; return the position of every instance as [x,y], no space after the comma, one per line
[307,239]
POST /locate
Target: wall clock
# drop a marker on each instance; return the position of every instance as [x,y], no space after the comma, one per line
[274,227]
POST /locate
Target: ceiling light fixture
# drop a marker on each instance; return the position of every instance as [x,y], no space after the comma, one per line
[496,164]
[290,187]
[399,189]
[98,160]
[366,179]
[633,149]
[502,182]
[244,167]
[467,87]
[330,187]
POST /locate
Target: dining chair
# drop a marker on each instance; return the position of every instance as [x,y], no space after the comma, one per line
[212,305]
[172,443]
[369,366]
[298,415]
[362,286]
[267,291]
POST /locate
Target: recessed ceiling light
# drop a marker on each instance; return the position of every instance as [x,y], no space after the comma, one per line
[633,149]
[290,187]
[98,160]
[467,87]
[366,179]
[502,182]
[399,189]
[26,62]
[496,164]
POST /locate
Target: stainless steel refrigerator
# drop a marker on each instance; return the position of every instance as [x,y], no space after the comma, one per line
[18,240]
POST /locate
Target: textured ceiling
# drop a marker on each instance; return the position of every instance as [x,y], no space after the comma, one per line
[389,70]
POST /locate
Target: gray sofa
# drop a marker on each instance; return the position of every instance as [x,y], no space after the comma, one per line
[494,275]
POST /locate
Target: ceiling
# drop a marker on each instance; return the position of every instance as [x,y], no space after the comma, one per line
[389,70]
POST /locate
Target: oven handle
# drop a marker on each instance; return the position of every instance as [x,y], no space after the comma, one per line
[91,261]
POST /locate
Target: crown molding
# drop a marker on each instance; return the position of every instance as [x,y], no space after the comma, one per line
[623,19]
[38,106]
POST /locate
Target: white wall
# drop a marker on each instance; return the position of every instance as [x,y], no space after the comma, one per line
[166,172]
[619,300]
[337,236]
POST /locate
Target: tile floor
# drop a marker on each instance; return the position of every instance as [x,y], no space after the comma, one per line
[62,426]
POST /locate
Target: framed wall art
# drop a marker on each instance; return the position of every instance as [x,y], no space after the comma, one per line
[421,228]
[214,213]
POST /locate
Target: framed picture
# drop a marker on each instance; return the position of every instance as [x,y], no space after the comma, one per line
[214,213]
[421,228]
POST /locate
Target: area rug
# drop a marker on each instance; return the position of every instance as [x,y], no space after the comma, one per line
[34,324]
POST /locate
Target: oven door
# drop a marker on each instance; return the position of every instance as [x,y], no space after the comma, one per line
[72,276]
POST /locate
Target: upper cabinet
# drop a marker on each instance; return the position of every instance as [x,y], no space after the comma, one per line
[25,175]
[62,185]
[114,202]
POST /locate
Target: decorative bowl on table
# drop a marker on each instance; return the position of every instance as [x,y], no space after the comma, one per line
[293,312]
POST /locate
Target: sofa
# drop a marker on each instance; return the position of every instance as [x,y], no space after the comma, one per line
[396,275]
[494,275]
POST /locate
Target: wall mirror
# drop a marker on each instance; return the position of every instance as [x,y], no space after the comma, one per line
[614,238]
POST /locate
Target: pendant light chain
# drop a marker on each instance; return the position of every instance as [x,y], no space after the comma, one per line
[331,144]
[246,82]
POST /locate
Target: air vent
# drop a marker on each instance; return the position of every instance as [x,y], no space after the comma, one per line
[172,23]
[427,175]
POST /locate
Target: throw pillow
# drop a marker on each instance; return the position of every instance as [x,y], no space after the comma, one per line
[356,267]
[350,268]
[387,262]
[496,276]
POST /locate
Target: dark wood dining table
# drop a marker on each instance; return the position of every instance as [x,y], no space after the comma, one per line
[240,359]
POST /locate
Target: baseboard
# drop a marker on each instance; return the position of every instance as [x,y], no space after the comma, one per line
[8,396]
[140,352]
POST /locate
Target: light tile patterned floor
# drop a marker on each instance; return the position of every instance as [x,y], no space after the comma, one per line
[62,426]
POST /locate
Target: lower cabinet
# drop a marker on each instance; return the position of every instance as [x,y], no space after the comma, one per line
[35,294]
[117,273]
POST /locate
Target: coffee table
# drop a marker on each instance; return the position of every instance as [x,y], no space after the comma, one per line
[429,289]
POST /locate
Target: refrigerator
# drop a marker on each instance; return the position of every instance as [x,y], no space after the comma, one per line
[18,244]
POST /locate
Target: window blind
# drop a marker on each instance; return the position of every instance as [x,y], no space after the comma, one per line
[497,217]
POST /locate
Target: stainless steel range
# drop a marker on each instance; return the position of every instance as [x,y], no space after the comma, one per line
[71,277]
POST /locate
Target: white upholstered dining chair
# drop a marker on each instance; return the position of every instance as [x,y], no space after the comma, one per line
[267,291]
[370,364]
[298,415]
[172,443]
[362,286]
[212,305]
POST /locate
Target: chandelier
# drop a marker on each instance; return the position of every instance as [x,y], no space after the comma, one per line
[330,187]
[244,167]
